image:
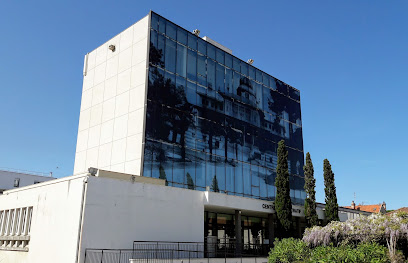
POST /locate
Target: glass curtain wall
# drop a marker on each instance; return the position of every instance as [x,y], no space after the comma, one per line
[214,120]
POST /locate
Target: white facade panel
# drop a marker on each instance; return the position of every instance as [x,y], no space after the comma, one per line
[119,212]
[114,87]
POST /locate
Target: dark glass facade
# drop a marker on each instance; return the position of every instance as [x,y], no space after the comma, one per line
[214,120]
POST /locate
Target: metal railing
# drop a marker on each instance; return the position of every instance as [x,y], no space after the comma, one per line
[167,252]
[108,255]
[221,248]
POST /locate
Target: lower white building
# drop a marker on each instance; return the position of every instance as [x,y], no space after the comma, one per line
[64,219]
[10,179]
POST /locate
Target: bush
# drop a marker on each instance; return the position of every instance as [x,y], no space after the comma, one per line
[289,250]
[295,250]
[363,252]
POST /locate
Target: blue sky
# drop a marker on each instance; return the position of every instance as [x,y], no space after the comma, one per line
[349,59]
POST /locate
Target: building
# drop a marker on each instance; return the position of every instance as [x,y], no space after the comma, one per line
[184,138]
[399,210]
[159,101]
[10,179]
[377,209]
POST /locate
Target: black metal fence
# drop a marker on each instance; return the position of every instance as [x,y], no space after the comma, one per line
[167,252]
[219,248]
[108,255]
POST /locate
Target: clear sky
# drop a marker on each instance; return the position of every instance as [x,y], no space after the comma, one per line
[349,59]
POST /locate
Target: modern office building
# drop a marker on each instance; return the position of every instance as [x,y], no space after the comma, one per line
[184,136]
[159,101]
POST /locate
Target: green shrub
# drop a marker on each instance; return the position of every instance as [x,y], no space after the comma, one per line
[289,250]
[295,250]
[364,252]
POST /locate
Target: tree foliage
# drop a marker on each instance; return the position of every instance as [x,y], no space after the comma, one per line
[331,208]
[162,174]
[310,185]
[283,203]
[190,182]
[214,185]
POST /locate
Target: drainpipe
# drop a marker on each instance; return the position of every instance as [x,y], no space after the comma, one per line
[81,218]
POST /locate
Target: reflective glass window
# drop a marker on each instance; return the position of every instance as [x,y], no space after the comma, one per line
[220,172]
[210,51]
[220,76]
[281,87]
[255,180]
[155,21]
[270,181]
[228,81]
[294,94]
[247,178]
[252,72]
[191,93]
[210,171]
[202,46]
[259,95]
[229,176]
[200,169]
[147,161]
[258,75]
[192,41]
[219,56]
[171,30]
[178,165]
[265,79]
[228,60]
[210,73]
[239,187]
[192,65]
[162,25]
[182,36]
[181,60]
[161,46]
[189,162]
[263,190]
[236,64]
[244,68]
[170,61]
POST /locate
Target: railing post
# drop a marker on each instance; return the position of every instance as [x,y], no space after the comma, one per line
[102,256]
[85,256]
[120,253]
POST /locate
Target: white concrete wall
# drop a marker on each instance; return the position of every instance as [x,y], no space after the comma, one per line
[55,220]
[7,179]
[119,212]
[110,132]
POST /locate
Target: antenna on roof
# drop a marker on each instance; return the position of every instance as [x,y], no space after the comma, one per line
[354,196]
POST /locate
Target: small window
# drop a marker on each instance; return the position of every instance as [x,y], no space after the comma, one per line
[17,182]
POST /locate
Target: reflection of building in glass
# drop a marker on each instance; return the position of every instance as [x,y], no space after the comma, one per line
[210,114]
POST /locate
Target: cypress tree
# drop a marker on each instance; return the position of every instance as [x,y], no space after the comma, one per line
[214,185]
[190,182]
[283,203]
[332,208]
[163,174]
[310,185]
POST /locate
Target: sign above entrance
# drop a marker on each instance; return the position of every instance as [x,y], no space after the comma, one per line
[270,207]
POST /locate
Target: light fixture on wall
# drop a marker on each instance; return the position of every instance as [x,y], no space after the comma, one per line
[92,170]
[112,47]
[196,32]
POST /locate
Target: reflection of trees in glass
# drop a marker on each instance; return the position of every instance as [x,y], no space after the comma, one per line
[214,185]
[190,182]
[162,174]
[165,92]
